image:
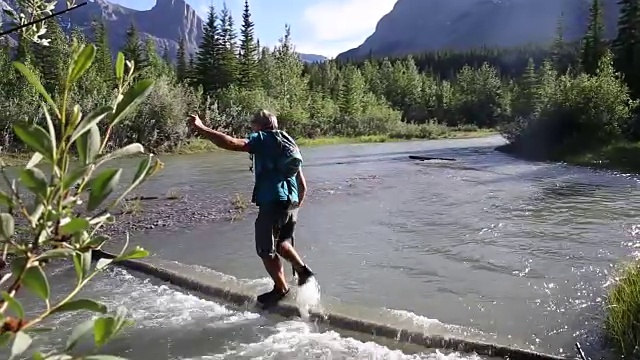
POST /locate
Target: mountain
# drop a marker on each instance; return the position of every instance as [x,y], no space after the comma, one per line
[311,58]
[164,23]
[414,26]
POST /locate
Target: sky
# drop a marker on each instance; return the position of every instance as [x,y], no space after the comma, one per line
[323,27]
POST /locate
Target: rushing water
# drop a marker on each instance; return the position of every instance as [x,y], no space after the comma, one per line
[493,244]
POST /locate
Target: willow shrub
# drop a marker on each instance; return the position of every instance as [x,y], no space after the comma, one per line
[62,208]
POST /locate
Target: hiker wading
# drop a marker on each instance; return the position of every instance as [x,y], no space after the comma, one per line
[279,192]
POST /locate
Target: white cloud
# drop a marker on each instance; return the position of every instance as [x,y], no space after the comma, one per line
[339,25]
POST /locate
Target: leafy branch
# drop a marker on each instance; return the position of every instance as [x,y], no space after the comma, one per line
[58,185]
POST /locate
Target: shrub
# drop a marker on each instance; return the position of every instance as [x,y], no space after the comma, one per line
[54,227]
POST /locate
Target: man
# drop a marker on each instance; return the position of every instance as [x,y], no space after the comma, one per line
[278,200]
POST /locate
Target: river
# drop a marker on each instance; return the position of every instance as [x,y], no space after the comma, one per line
[488,243]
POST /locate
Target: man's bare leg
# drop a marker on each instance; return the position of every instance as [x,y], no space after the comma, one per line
[286,250]
[276,271]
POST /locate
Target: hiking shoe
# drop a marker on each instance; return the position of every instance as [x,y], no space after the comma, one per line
[304,275]
[272,297]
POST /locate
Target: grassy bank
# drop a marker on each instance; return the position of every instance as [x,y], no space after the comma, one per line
[620,156]
[195,146]
[622,322]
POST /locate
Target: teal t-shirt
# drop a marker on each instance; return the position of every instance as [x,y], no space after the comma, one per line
[270,187]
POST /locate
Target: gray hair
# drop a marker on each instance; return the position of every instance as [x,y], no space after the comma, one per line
[265,119]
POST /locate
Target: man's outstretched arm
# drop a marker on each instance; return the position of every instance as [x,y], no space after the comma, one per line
[220,139]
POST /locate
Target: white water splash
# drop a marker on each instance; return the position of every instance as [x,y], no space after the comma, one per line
[308,297]
[294,340]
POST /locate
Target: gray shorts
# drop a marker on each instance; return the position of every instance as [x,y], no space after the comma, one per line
[275,223]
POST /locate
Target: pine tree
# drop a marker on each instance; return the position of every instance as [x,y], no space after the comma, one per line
[248,63]
[226,43]
[133,49]
[181,60]
[557,49]
[153,63]
[103,59]
[593,46]
[166,54]
[352,93]
[51,61]
[207,64]
[626,46]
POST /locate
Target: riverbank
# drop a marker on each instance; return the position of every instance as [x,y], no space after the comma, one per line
[422,132]
[620,156]
[197,145]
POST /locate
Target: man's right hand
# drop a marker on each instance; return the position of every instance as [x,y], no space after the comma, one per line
[194,121]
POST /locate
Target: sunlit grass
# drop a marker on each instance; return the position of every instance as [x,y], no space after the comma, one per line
[622,322]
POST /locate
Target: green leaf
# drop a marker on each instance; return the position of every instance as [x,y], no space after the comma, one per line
[35,180]
[81,63]
[102,186]
[74,176]
[36,137]
[143,168]
[33,80]
[97,241]
[36,281]
[21,343]
[5,199]
[141,174]
[51,128]
[102,263]
[120,67]
[56,253]
[137,253]
[81,304]
[14,304]
[131,149]
[74,226]
[86,263]
[5,338]
[78,259]
[78,332]
[35,159]
[136,94]
[88,145]
[7,225]
[103,330]
[90,120]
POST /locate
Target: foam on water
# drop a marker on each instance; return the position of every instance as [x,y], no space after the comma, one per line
[308,297]
[299,340]
[160,311]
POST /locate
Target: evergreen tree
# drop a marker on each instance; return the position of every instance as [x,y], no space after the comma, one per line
[51,60]
[166,54]
[133,48]
[626,46]
[248,62]
[352,93]
[103,59]
[154,64]
[207,64]
[593,46]
[181,60]
[558,46]
[226,43]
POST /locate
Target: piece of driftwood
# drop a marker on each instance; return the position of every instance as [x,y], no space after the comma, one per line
[425,158]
